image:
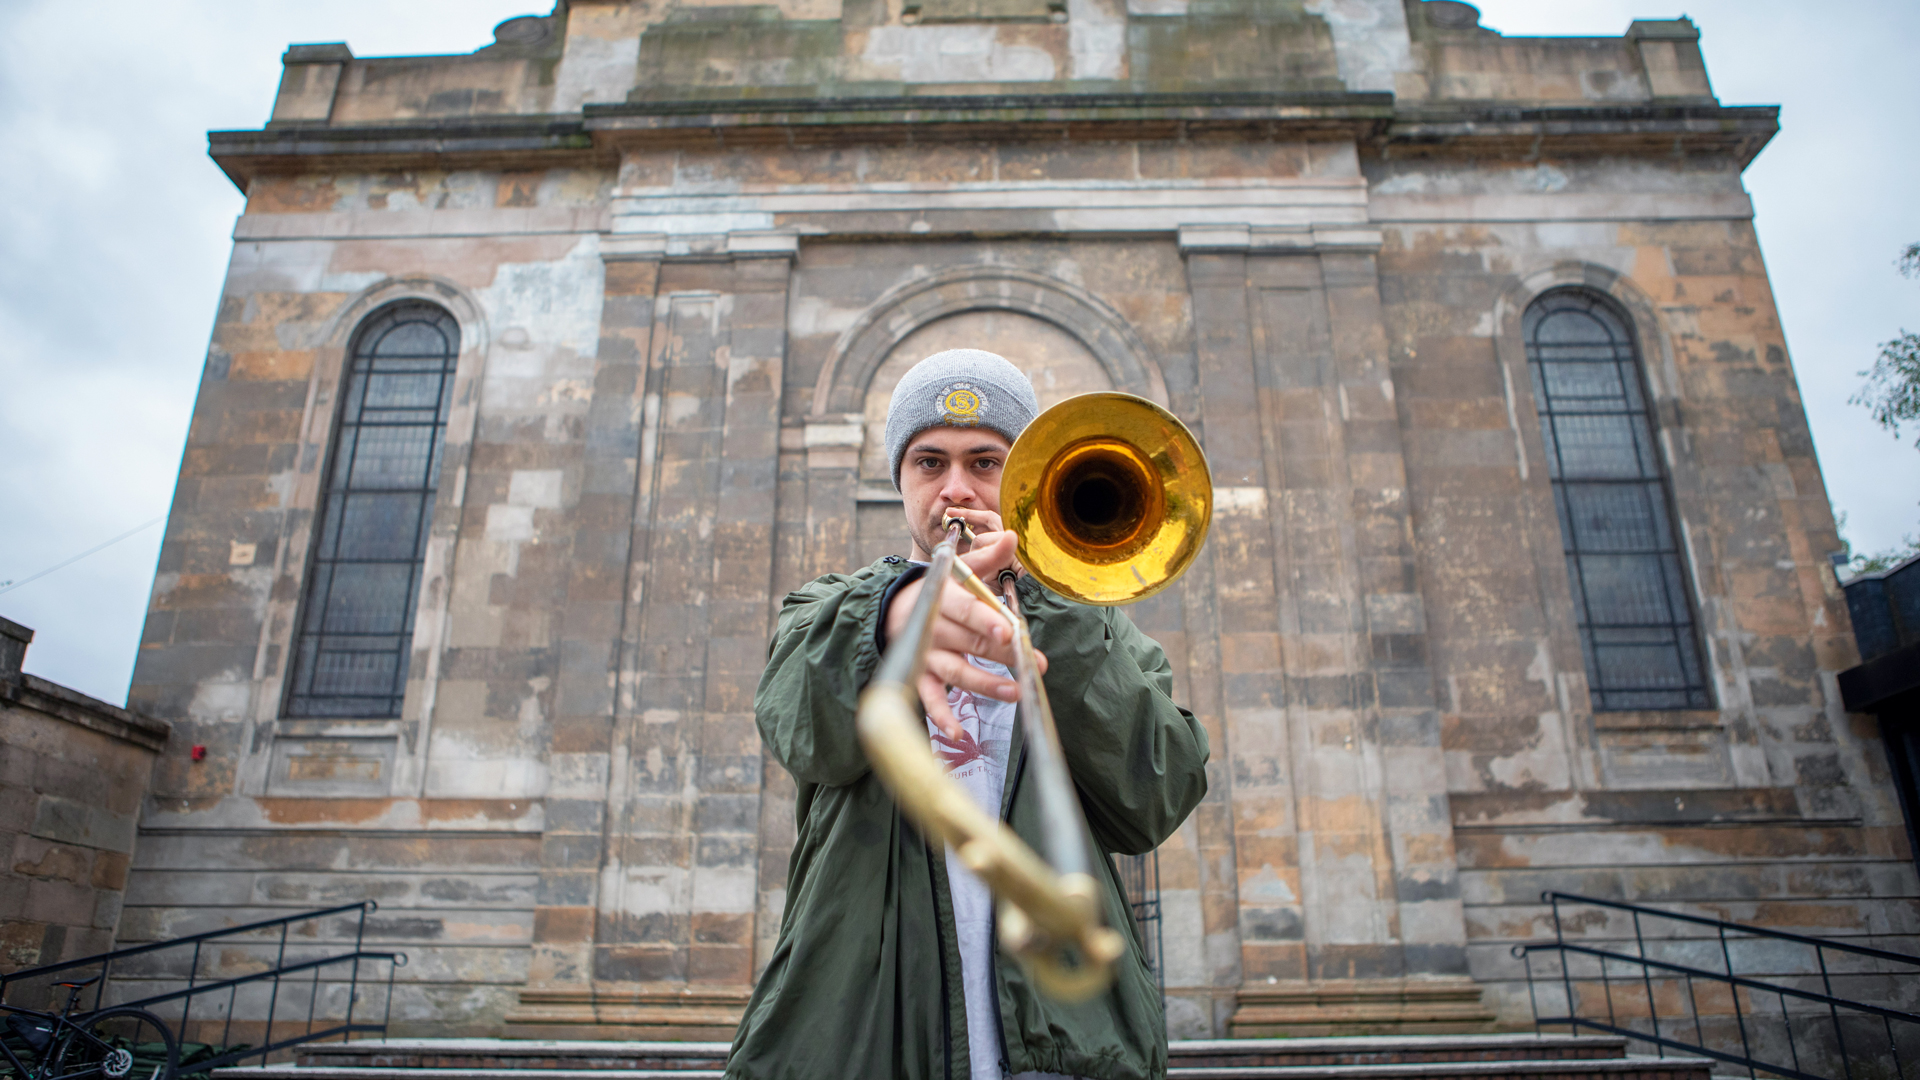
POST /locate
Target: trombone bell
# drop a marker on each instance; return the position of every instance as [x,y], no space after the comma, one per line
[1110,497]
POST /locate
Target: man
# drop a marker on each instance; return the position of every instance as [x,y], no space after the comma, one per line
[886,967]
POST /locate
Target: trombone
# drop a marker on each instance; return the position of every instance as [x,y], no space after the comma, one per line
[1110,499]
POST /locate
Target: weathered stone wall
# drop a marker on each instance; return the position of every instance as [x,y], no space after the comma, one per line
[688,251]
[73,773]
[437,815]
[1773,809]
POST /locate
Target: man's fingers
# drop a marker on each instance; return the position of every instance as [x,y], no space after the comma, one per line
[953,637]
[991,554]
[961,607]
[933,694]
[952,669]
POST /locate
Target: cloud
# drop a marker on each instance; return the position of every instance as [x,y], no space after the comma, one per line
[114,231]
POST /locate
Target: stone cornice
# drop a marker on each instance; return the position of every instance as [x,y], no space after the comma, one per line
[1490,129]
[52,699]
[1481,130]
[459,143]
[991,117]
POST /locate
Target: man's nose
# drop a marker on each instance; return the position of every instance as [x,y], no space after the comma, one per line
[957,490]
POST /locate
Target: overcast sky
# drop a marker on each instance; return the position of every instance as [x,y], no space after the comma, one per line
[114,231]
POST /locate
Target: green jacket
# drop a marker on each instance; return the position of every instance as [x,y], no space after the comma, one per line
[865,980]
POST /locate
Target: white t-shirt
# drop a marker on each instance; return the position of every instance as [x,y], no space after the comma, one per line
[978,761]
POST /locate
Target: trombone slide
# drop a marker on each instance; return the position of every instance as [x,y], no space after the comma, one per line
[1049,921]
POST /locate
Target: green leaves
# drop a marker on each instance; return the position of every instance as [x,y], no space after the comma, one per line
[1892,393]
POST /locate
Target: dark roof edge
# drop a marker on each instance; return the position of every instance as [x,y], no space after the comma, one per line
[1872,686]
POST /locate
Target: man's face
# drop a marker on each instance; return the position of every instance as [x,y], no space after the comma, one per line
[949,467]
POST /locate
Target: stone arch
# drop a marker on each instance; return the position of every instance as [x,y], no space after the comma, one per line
[337,333]
[1058,363]
[855,358]
[1649,329]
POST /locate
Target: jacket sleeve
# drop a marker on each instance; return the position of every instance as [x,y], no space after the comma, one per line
[1138,760]
[822,654]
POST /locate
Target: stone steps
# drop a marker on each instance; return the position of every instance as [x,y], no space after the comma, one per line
[1392,1050]
[384,1072]
[548,1056]
[1465,1057]
[1627,1068]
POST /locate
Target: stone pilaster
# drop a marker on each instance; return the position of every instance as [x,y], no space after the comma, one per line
[558,995]
[1349,916]
[1383,932]
[1247,919]
[662,945]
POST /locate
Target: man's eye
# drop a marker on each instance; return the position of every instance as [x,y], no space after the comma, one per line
[986,464]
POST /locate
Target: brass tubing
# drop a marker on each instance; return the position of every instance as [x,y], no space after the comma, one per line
[1050,921]
[1065,844]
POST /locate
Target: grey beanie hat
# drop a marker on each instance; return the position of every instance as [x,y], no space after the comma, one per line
[958,388]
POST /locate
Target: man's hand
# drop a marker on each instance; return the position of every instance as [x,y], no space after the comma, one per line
[965,625]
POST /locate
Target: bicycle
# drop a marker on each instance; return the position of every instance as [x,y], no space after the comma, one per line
[118,1043]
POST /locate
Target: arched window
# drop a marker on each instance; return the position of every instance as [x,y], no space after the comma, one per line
[1630,592]
[376,506]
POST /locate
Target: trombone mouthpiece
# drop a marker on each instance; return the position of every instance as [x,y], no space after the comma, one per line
[963,540]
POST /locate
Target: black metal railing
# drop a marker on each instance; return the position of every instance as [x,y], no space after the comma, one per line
[267,964]
[1140,880]
[1775,1005]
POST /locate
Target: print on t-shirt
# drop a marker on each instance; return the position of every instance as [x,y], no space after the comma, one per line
[980,753]
[977,760]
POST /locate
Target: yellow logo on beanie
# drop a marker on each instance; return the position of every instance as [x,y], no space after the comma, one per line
[961,404]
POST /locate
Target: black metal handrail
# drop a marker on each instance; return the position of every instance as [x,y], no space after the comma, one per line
[275,974]
[1668,970]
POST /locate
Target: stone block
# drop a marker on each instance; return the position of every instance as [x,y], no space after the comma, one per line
[725,965]
[636,963]
[59,902]
[36,858]
[570,888]
[71,822]
[106,910]
[575,816]
[17,769]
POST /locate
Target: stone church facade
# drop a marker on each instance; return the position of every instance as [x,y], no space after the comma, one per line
[541,374]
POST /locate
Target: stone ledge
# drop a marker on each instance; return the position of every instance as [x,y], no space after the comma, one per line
[502,142]
[52,699]
[1440,1006]
[610,1011]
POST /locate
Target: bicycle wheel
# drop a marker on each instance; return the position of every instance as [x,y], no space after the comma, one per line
[119,1044]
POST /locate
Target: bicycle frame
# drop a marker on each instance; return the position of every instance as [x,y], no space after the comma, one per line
[60,1036]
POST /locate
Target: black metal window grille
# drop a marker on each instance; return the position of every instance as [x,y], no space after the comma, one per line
[1630,591]
[356,625]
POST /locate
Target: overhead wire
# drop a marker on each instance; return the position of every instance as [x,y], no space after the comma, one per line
[9,586]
